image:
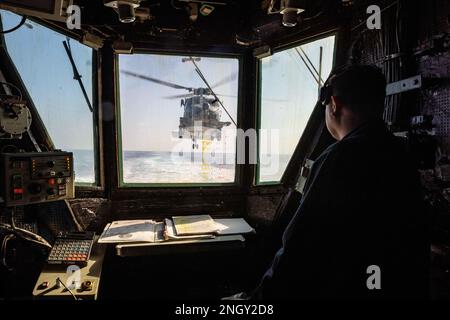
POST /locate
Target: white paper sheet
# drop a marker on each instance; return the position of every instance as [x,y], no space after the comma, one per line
[233,226]
[129,231]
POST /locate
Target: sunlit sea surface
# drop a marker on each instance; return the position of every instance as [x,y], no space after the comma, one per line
[167,167]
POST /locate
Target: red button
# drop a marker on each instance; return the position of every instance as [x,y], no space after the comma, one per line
[18,191]
[51,182]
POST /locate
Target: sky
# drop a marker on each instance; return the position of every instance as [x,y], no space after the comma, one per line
[288,96]
[289,92]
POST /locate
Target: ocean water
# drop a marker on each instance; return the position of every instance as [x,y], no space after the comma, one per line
[84,165]
[168,167]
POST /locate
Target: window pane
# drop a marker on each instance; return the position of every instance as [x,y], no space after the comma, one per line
[288,95]
[173,130]
[44,66]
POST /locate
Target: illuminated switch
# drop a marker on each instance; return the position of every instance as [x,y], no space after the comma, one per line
[51,182]
[17,189]
[17,193]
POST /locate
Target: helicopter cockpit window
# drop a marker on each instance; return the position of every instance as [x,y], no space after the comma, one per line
[289,90]
[41,59]
[178,119]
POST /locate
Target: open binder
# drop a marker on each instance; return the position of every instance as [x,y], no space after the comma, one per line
[174,229]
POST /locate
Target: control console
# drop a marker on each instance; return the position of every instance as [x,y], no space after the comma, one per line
[36,177]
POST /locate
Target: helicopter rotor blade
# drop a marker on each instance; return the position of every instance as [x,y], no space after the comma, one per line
[268,99]
[164,83]
[177,96]
[225,95]
[225,80]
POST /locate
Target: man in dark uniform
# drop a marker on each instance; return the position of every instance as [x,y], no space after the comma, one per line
[360,231]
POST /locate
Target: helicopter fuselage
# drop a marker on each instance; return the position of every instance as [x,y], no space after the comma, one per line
[201,118]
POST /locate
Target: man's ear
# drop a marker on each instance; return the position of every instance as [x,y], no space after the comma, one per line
[336,105]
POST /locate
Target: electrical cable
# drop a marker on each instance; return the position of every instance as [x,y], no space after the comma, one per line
[70,291]
[24,234]
[3,250]
[14,87]
[21,23]
[397,22]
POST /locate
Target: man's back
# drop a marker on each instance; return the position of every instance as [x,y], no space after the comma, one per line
[362,207]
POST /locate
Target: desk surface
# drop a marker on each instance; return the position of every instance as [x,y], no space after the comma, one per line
[91,272]
[230,242]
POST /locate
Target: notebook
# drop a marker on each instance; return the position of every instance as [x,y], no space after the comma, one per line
[132,231]
[194,225]
[171,234]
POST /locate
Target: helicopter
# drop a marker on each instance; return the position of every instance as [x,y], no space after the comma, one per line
[201,118]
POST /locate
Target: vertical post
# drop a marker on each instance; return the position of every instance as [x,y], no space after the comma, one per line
[320,67]
[108,133]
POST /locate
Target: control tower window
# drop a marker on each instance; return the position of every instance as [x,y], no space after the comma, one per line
[289,90]
[44,66]
[177,119]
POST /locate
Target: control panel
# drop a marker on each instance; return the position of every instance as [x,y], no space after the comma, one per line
[36,177]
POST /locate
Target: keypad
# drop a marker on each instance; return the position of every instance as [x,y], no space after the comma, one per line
[70,251]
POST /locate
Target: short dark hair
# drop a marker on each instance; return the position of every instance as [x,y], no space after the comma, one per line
[362,88]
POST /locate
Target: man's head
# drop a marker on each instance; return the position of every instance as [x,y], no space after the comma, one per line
[352,96]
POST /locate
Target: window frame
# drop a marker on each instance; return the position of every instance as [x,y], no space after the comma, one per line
[277,49]
[96,185]
[119,159]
